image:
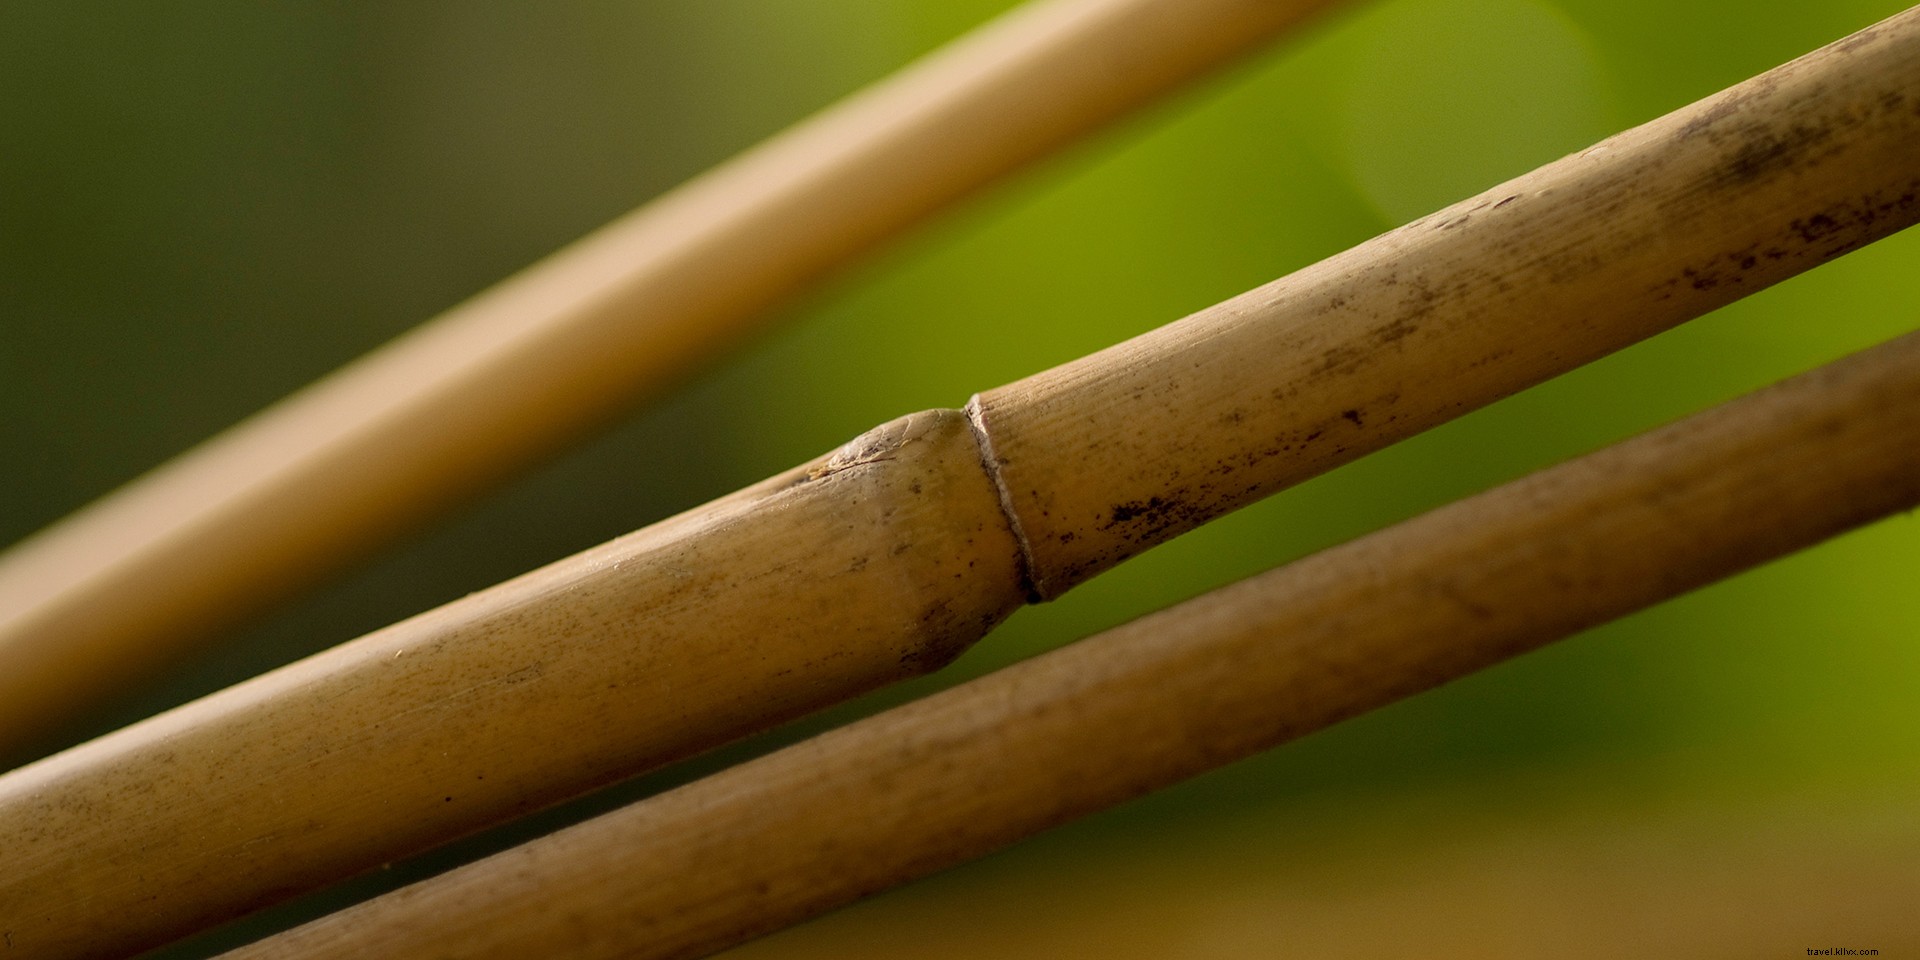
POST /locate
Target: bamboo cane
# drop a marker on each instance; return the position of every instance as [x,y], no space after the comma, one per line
[117,589]
[1546,272]
[889,557]
[969,770]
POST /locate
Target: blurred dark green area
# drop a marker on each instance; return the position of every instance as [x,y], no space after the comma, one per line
[205,206]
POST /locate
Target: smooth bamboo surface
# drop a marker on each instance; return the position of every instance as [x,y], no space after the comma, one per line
[956,775]
[1543,273]
[126,584]
[805,590]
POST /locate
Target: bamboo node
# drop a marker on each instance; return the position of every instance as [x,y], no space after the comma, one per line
[990,464]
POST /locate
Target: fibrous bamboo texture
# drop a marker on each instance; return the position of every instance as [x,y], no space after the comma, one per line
[814,587]
[951,777]
[515,372]
[1541,274]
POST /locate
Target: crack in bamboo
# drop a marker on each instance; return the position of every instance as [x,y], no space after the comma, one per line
[990,463]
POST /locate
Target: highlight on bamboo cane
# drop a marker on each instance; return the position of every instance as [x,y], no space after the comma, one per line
[889,557]
[506,377]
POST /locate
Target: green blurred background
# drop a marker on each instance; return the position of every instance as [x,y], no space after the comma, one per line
[205,206]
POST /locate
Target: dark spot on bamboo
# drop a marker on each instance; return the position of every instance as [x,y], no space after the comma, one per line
[1353,416]
[1839,228]
[1815,228]
[1336,358]
[1402,327]
[1128,511]
[1150,521]
[1700,281]
[1767,151]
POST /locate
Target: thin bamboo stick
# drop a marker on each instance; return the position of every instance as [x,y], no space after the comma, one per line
[889,558]
[967,771]
[122,586]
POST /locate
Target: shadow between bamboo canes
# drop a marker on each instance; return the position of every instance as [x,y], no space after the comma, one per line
[961,773]
[124,585]
[890,557]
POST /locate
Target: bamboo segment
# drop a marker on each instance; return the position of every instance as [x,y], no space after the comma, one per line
[1110,454]
[951,777]
[119,588]
[880,563]
[885,560]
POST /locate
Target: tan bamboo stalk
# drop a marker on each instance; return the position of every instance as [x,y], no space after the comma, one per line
[919,788]
[1543,273]
[502,379]
[887,559]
